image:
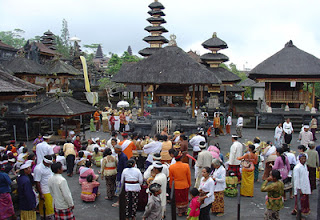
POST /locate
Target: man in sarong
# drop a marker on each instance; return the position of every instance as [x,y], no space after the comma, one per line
[236,151]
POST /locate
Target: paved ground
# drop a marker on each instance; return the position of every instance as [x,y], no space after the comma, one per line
[250,207]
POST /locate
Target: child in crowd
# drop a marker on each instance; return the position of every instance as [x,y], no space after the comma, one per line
[80,161]
[153,209]
[194,210]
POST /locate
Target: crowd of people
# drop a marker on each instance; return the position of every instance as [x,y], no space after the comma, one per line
[141,173]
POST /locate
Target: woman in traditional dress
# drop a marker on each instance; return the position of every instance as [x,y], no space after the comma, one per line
[206,189]
[85,171]
[270,155]
[89,189]
[219,177]
[131,178]
[278,133]
[181,175]
[6,206]
[292,161]
[274,199]
[216,124]
[166,146]
[247,182]
[109,171]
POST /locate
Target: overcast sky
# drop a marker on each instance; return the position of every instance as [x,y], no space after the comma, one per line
[253,29]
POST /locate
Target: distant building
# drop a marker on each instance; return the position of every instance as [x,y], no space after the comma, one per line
[100,60]
[7,52]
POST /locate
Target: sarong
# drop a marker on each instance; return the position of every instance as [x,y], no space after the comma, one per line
[131,204]
[28,215]
[305,206]
[271,215]
[256,170]
[267,170]
[6,206]
[48,202]
[105,125]
[236,170]
[247,183]
[182,199]
[287,138]
[64,214]
[312,177]
[218,204]
[111,183]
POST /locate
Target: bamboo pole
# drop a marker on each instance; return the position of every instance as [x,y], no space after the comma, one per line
[193,100]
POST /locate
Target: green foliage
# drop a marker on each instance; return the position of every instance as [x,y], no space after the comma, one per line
[13,38]
[62,41]
[91,46]
[62,48]
[116,62]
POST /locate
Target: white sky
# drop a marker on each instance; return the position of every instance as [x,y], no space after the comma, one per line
[253,29]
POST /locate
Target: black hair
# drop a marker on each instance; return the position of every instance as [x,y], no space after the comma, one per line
[157,155]
[83,148]
[276,174]
[231,172]
[159,169]
[285,147]
[61,153]
[55,167]
[236,138]
[5,157]
[208,169]
[302,147]
[269,142]
[152,186]
[88,163]
[81,154]
[124,136]
[130,163]
[21,144]
[96,150]
[30,156]
[202,143]
[89,178]
[283,157]
[24,150]
[107,152]
[181,130]
[252,147]
[173,151]
[194,192]
[164,137]
[54,157]
[115,140]
[256,140]
[9,148]
[114,133]
[183,137]
[158,136]
[48,157]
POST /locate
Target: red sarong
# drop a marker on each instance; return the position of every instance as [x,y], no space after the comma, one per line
[236,170]
[6,206]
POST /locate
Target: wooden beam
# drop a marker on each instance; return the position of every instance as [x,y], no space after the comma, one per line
[198,96]
[193,101]
[313,94]
[225,94]
[142,101]
[269,94]
[242,96]
[201,94]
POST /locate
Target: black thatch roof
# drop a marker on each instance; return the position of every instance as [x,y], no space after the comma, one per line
[214,57]
[288,62]
[156,5]
[7,47]
[155,38]
[234,88]
[148,51]
[60,67]
[251,83]
[156,28]
[20,65]
[170,65]
[224,75]
[60,107]
[159,19]
[214,42]
[156,12]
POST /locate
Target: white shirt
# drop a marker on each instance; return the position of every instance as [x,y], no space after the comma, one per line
[229,120]
[161,179]
[60,192]
[271,150]
[62,160]
[287,127]
[91,147]
[132,174]
[240,121]
[43,149]
[42,174]
[301,179]
[152,148]
[305,137]
[109,145]
[165,171]
[236,151]
[220,179]
[292,160]
[278,132]
[195,141]
[208,187]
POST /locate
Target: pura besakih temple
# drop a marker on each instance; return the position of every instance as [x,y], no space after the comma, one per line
[49,40]
[289,76]
[155,39]
[100,61]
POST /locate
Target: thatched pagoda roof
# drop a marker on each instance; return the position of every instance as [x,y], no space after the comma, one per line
[224,75]
[156,28]
[156,5]
[214,42]
[60,67]
[288,62]
[149,51]
[21,65]
[169,65]
[60,107]
[156,12]
[214,57]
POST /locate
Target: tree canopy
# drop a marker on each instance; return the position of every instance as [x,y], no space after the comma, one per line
[13,38]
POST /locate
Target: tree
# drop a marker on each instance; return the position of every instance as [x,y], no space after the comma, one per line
[13,38]
[91,46]
[63,45]
[110,87]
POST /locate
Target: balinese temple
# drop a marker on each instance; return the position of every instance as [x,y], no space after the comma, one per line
[213,60]
[7,52]
[155,39]
[289,76]
[49,40]
[99,60]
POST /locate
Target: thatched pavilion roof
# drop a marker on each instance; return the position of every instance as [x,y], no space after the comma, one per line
[224,75]
[7,47]
[288,62]
[60,107]
[251,83]
[170,65]
[60,67]
[21,65]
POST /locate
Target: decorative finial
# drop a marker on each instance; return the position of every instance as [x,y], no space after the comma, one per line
[214,34]
[155,0]
[289,44]
[172,41]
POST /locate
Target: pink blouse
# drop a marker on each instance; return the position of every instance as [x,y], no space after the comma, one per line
[84,172]
[87,188]
[215,152]
[195,207]
[284,169]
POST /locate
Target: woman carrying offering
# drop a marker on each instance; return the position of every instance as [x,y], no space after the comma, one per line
[219,176]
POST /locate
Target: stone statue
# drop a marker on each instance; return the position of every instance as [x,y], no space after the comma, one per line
[263,106]
[136,101]
[172,41]
[134,115]
[188,101]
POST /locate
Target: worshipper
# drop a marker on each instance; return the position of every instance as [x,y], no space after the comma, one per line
[38,140]
[194,210]
[60,158]
[110,144]
[215,152]
[21,157]
[301,150]
[127,145]
[288,131]
[173,153]
[123,122]
[62,198]
[112,122]
[153,208]
[313,126]
[228,124]
[176,137]
[161,179]
[221,124]
[270,155]
[278,135]
[274,199]
[312,164]
[183,142]
[77,143]
[21,146]
[42,174]
[305,136]
[105,125]
[206,189]
[239,126]
[27,198]
[97,157]
[89,189]
[6,205]
[236,151]
[96,116]
[300,175]
[282,164]
[131,178]
[166,146]
[86,171]
[80,161]
[92,127]
[95,142]
[70,154]
[216,123]
[292,161]
[247,182]
[194,142]
[231,185]
[72,136]
[257,149]
[164,132]
[204,160]
[156,158]
[122,163]
[219,177]
[87,154]
[181,175]
[152,148]
[43,149]
[31,159]
[109,172]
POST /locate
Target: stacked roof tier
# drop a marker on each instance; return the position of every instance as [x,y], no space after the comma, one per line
[49,39]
